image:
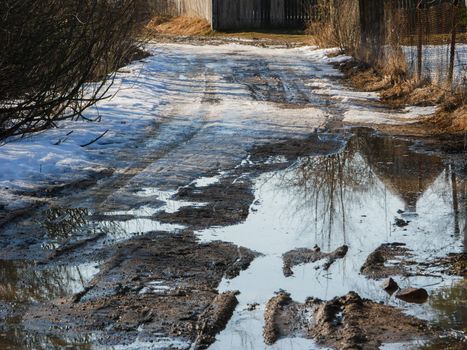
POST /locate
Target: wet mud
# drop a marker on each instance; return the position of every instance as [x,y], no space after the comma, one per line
[305,255]
[389,259]
[157,284]
[220,204]
[348,322]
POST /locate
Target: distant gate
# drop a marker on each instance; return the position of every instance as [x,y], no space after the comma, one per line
[260,14]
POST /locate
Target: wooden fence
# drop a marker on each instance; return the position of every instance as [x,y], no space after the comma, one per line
[260,14]
[192,8]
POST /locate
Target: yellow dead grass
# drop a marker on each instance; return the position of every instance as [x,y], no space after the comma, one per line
[186,26]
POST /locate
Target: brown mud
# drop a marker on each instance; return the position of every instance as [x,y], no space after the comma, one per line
[376,265]
[228,203]
[163,281]
[305,255]
[348,322]
[165,284]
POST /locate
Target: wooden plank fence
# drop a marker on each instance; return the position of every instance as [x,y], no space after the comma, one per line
[192,8]
[260,14]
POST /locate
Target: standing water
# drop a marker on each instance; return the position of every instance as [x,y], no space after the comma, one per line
[357,198]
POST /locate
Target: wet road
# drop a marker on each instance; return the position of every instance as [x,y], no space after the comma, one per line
[218,112]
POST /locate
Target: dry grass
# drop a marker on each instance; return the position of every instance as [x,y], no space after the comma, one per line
[451,114]
[184,26]
[195,27]
[337,25]
[294,37]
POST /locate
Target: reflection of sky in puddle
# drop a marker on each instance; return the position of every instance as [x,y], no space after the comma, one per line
[140,221]
[331,201]
[170,206]
[158,344]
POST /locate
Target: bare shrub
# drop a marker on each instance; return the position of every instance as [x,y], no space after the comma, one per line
[51,50]
[335,24]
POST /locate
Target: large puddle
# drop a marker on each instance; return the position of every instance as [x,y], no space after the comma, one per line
[356,197]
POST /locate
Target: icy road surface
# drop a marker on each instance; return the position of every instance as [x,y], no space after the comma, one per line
[186,101]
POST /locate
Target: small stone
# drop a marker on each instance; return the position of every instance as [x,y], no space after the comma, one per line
[252,307]
[390,286]
[413,295]
[401,222]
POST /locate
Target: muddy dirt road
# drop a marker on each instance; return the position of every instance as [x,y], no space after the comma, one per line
[249,183]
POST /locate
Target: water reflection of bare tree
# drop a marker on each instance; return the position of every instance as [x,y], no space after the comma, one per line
[18,338]
[328,187]
[459,203]
[62,223]
[24,282]
[324,187]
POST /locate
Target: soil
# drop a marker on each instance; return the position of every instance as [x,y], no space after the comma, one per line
[225,203]
[165,282]
[376,265]
[342,323]
[395,259]
[305,255]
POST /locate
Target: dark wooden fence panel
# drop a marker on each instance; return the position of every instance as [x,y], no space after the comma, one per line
[261,14]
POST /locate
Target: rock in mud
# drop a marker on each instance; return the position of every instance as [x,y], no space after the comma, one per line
[390,286]
[304,256]
[376,264]
[413,295]
[348,322]
[158,285]
[401,222]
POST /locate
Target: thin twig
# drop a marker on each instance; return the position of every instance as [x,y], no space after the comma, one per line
[95,140]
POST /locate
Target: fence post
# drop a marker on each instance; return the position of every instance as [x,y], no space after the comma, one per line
[452,56]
